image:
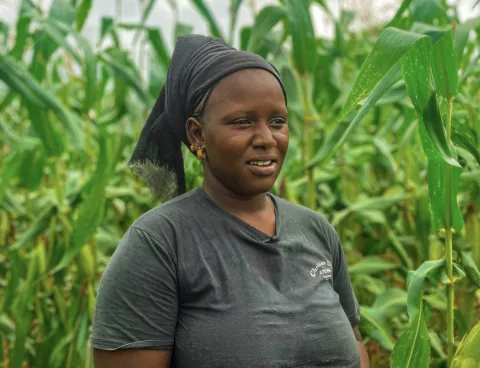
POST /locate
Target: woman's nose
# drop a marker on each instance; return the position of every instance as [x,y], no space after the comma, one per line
[263,136]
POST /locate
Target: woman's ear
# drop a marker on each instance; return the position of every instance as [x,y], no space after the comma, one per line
[195,132]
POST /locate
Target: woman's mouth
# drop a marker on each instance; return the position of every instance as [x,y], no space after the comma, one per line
[262,168]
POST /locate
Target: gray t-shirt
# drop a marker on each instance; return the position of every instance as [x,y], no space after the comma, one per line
[190,277]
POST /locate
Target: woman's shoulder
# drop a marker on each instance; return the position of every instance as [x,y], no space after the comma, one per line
[167,215]
[303,216]
[296,209]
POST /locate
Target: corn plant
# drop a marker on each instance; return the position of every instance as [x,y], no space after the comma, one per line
[70,113]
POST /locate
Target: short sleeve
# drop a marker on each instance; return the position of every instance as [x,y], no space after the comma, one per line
[137,301]
[343,285]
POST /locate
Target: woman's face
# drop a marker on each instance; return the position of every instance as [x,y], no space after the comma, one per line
[244,131]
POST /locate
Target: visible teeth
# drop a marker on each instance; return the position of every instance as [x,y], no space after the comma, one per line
[260,163]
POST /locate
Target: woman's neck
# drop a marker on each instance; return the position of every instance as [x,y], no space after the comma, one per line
[234,202]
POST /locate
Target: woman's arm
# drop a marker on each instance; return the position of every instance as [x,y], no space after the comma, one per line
[131,358]
[363,352]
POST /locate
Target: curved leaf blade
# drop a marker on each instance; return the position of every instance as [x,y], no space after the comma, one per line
[391,45]
[434,126]
[303,36]
[468,353]
[207,14]
[371,265]
[412,349]
[444,66]
[264,22]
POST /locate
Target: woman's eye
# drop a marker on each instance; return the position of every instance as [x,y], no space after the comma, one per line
[241,122]
[278,121]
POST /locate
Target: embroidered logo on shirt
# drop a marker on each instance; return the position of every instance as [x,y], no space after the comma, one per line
[323,269]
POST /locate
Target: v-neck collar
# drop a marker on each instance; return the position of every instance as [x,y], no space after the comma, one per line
[249,229]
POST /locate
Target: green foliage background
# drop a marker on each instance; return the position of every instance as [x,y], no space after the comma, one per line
[71,112]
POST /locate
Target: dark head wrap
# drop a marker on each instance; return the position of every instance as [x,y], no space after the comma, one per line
[197,64]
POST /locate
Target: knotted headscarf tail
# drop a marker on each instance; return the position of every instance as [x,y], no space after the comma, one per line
[197,64]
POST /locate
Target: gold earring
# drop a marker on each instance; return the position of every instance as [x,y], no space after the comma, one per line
[201,154]
[192,148]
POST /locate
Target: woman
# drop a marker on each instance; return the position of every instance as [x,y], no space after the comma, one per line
[226,275]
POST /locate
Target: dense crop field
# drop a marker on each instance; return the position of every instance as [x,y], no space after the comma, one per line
[385,142]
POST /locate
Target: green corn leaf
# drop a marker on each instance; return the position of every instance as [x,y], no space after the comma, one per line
[159,46]
[303,36]
[429,11]
[245,34]
[17,84]
[264,22]
[22,312]
[471,268]
[379,203]
[146,12]
[20,80]
[207,14]
[106,26]
[122,72]
[143,20]
[234,7]
[345,127]
[182,29]
[57,31]
[4,32]
[91,210]
[465,137]
[22,27]
[462,32]
[40,225]
[437,190]
[46,131]
[391,302]
[391,45]
[434,126]
[376,327]
[82,13]
[416,72]
[398,246]
[412,350]
[371,265]
[444,66]
[468,353]
[398,15]
[415,285]
[325,7]
[62,11]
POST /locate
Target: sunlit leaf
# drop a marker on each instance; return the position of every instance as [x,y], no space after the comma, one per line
[444,66]
[159,46]
[264,22]
[82,13]
[182,29]
[345,127]
[471,268]
[234,7]
[303,36]
[376,327]
[412,350]
[468,353]
[207,14]
[18,78]
[391,45]
[432,120]
[398,15]
[371,265]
